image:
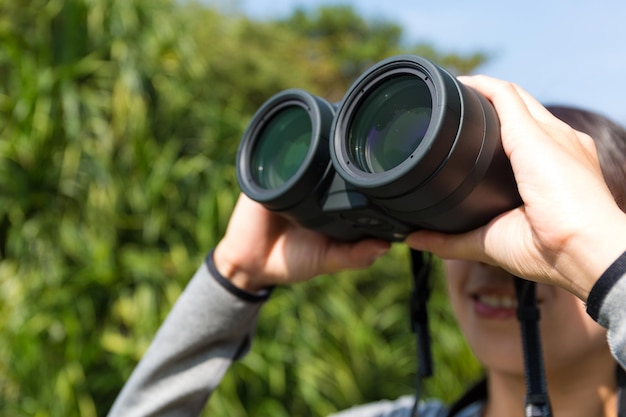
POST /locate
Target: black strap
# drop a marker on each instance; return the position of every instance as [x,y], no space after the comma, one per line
[621,384]
[420,268]
[537,402]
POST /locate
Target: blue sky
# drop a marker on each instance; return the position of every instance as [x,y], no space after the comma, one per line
[566,52]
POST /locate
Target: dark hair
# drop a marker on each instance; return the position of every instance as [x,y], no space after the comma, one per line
[610,140]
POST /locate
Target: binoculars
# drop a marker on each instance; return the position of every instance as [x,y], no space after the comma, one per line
[408,147]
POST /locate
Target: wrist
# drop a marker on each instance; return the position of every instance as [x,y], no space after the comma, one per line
[258,296]
[232,270]
[603,286]
[596,251]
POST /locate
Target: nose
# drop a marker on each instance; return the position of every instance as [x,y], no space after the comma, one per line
[494,272]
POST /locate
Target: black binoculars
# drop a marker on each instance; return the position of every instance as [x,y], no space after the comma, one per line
[408,147]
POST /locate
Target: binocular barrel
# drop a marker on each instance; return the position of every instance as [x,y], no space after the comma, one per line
[408,147]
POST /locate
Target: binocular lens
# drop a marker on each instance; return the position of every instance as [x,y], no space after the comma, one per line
[390,124]
[282,147]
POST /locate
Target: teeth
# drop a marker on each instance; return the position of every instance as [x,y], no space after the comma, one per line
[498,301]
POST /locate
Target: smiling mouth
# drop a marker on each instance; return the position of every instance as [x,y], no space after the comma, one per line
[496,301]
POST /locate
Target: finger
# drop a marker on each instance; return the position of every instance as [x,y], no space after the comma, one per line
[510,99]
[507,98]
[514,103]
[526,124]
[535,108]
[517,121]
[341,256]
[469,246]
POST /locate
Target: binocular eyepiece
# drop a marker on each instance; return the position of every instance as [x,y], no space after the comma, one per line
[408,147]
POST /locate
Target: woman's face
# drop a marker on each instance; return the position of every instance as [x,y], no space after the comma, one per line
[484,302]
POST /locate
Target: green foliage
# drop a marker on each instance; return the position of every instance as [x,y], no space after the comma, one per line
[119,122]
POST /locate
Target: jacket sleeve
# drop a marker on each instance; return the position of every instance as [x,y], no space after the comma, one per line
[606,304]
[402,407]
[209,327]
[613,317]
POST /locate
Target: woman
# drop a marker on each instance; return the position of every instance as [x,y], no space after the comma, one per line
[580,369]
[578,360]
[567,206]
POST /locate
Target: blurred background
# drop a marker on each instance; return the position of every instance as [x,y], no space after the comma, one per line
[561,51]
[120,120]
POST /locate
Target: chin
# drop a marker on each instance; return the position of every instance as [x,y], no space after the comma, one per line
[499,349]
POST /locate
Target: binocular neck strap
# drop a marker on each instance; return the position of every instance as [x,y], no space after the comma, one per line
[621,386]
[537,403]
[420,269]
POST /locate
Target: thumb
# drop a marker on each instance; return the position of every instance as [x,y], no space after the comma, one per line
[341,256]
[468,245]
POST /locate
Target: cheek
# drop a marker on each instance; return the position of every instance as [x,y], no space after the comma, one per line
[566,325]
[456,274]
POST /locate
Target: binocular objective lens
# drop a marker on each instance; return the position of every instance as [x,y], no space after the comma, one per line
[282,147]
[390,123]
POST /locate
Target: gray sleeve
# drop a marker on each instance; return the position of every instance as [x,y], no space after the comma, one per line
[208,328]
[401,407]
[613,317]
